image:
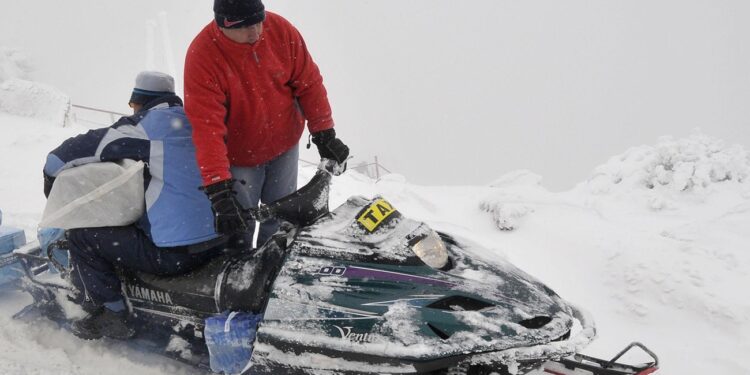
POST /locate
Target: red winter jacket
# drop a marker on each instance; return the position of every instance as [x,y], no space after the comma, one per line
[248,103]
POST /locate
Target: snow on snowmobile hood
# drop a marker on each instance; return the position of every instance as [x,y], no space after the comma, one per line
[350,286]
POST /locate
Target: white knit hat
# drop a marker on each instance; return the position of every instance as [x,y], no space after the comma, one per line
[150,85]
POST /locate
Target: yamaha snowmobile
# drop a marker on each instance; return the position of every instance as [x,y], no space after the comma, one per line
[359,289]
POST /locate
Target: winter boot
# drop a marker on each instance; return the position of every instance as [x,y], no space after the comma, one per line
[104,323]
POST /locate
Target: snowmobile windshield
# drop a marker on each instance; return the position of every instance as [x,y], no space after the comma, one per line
[431,250]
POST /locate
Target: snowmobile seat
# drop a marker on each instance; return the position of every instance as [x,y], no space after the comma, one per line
[230,282]
[201,280]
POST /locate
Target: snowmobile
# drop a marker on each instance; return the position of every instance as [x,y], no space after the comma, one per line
[354,290]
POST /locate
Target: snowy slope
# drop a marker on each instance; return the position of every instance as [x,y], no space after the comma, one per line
[653,245]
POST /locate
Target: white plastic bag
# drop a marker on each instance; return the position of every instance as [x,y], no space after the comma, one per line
[103,194]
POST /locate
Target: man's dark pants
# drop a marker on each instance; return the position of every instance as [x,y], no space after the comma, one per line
[95,252]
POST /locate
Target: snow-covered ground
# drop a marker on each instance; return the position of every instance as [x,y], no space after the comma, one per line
[653,244]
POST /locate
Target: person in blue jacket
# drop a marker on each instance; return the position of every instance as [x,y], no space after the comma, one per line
[175,235]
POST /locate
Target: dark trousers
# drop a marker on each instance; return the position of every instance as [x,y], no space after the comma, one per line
[95,252]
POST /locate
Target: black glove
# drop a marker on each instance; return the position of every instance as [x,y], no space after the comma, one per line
[330,147]
[227,210]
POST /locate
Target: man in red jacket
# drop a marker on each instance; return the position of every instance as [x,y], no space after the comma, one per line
[250,85]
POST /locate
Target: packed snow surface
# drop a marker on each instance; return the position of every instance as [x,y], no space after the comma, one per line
[654,244]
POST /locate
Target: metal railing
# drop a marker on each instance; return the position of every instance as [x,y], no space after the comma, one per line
[371,169]
[101,120]
[98,110]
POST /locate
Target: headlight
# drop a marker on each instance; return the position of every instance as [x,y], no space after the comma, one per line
[432,250]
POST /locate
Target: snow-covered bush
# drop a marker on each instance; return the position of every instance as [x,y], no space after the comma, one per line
[21,97]
[505,215]
[686,165]
[505,204]
[30,99]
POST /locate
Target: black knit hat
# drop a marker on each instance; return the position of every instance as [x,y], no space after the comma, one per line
[232,14]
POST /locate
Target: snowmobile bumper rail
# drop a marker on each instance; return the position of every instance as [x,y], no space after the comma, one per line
[30,256]
[633,345]
[34,263]
[596,366]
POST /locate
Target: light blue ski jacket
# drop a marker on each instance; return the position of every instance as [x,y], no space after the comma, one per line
[177,212]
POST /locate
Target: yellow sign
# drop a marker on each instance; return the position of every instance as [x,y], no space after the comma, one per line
[376,214]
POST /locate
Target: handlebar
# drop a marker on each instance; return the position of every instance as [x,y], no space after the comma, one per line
[332,166]
[306,205]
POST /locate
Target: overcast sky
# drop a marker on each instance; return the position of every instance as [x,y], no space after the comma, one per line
[447,92]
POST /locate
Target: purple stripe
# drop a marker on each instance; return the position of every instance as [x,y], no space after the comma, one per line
[369,273]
